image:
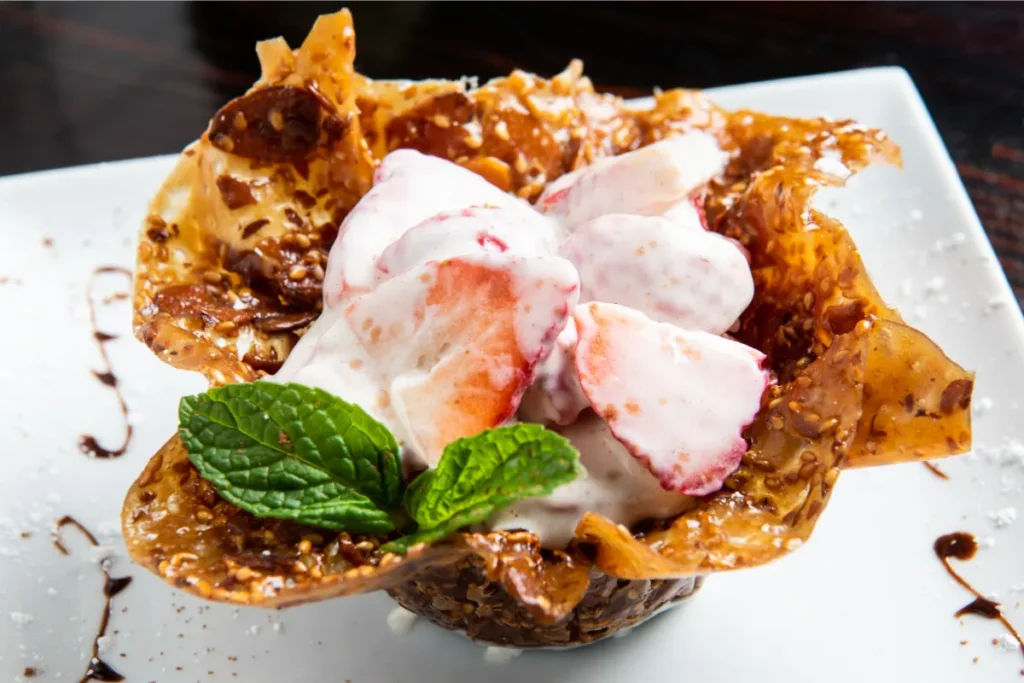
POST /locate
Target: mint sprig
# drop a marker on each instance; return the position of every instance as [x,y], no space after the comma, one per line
[479,475]
[293,452]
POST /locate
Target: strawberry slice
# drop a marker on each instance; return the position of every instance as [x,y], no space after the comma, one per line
[457,341]
[677,400]
[555,397]
[647,181]
[409,187]
[329,356]
[689,212]
[473,230]
[695,279]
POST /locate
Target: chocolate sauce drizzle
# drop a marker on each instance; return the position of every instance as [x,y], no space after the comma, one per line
[97,670]
[934,469]
[962,546]
[87,443]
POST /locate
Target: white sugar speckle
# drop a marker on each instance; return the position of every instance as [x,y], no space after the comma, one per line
[995,303]
[1012,454]
[277,626]
[986,542]
[933,286]
[916,215]
[1006,642]
[254,630]
[401,620]
[1008,454]
[21,620]
[501,655]
[1017,588]
[1004,517]
[103,644]
[982,406]
[51,591]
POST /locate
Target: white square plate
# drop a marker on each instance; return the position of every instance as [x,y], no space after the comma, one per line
[866,599]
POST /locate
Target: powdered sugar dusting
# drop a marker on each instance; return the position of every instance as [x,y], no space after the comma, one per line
[400,620]
[501,655]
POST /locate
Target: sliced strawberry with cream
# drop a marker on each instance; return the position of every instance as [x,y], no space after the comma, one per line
[688,212]
[457,341]
[409,187]
[695,279]
[330,357]
[556,396]
[677,400]
[472,230]
[648,181]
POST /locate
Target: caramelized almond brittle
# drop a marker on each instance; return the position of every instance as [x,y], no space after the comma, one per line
[232,257]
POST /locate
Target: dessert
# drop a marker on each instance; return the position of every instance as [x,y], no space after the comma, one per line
[532,359]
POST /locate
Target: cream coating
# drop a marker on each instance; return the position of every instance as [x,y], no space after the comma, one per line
[697,280]
[647,182]
[616,486]
[472,230]
[448,310]
[677,399]
[409,187]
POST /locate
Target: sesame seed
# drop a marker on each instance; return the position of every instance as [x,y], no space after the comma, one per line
[501,130]
[179,559]
[297,273]
[305,547]
[832,476]
[276,120]
[224,142]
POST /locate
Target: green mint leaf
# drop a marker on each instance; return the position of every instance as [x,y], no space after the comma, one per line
[481,474]
[294,452]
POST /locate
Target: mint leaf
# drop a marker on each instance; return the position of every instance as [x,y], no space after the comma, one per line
[294,452]
[481,474]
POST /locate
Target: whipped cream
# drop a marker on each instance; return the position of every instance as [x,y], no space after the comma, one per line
[696,280]
[451,307]
[616,486]
[408,188]
[650,181]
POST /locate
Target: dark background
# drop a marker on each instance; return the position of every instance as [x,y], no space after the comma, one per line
[86,82]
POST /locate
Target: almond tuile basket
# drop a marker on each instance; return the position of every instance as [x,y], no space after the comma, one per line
[230,264]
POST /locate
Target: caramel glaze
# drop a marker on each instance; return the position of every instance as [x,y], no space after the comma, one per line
[97,670]
[962,546]
[88,443]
